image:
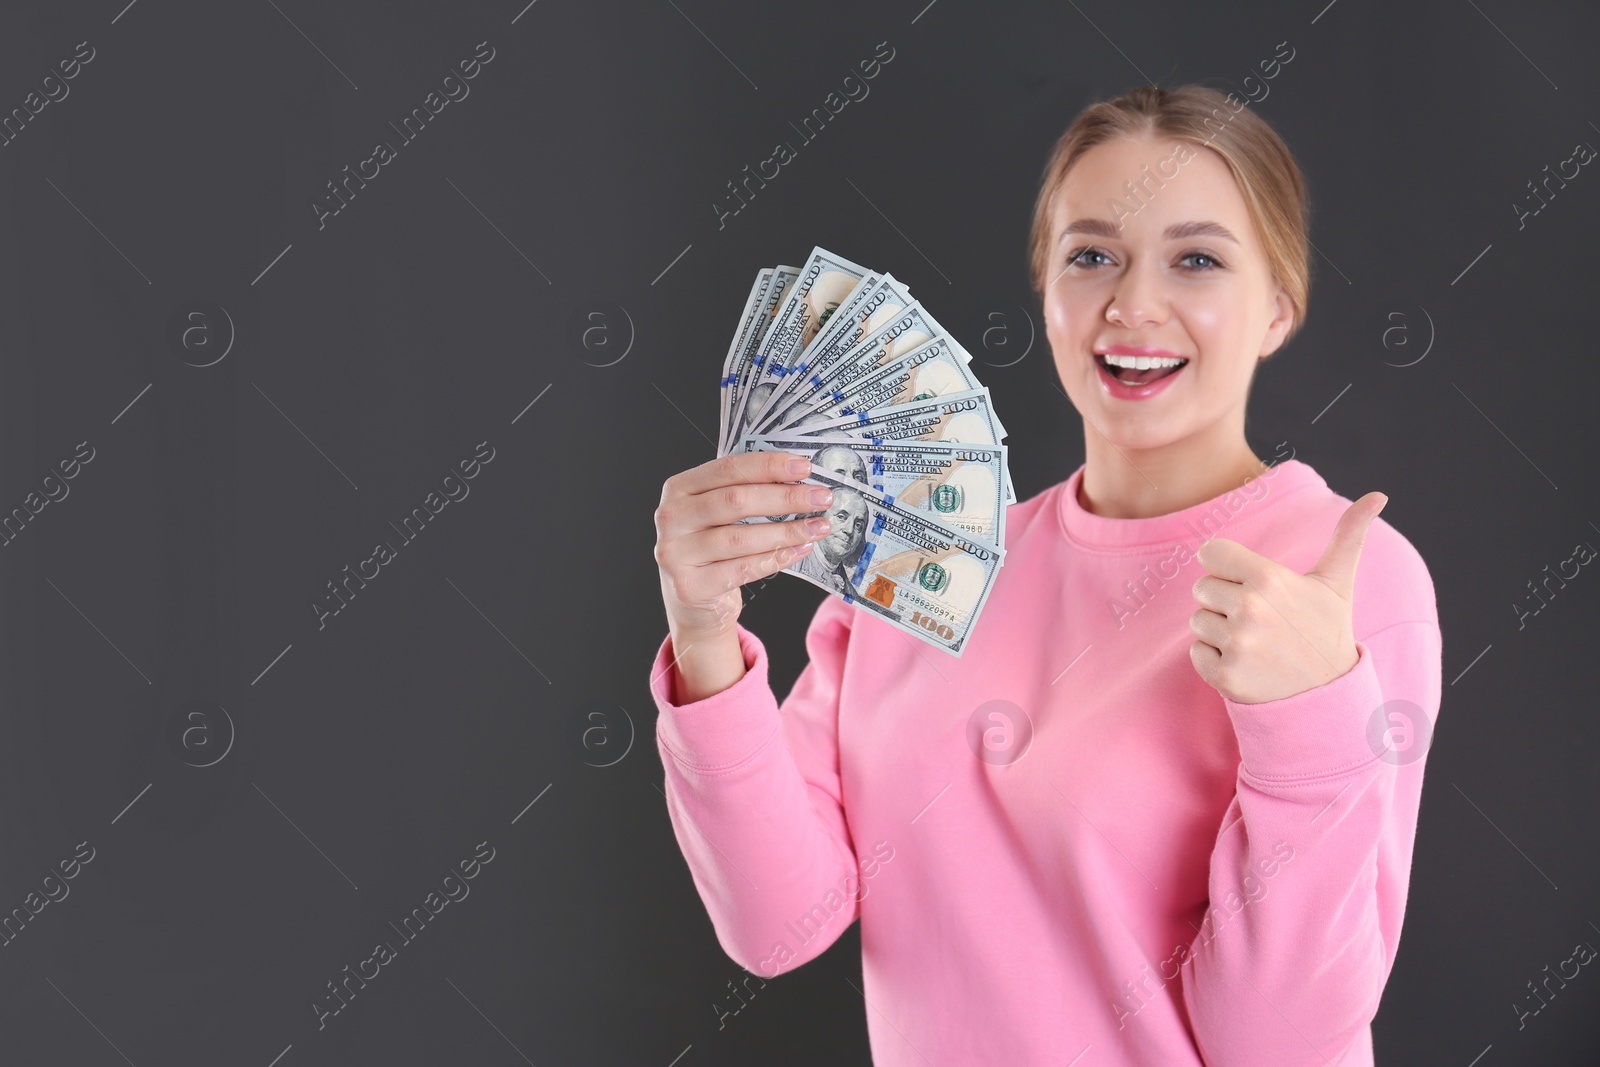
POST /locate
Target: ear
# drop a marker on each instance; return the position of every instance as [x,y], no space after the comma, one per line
[1278,329]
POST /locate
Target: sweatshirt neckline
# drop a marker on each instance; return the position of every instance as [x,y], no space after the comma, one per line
[1209,518]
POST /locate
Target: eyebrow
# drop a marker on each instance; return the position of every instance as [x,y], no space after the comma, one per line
[1178,231]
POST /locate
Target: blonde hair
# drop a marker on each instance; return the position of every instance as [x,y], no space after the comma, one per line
[1273,188]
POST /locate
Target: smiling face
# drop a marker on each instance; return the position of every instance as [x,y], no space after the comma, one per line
[1159,281]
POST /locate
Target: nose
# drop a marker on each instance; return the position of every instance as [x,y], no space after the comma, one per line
[1138,299]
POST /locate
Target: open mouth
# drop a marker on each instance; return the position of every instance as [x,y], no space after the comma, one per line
[1130,376]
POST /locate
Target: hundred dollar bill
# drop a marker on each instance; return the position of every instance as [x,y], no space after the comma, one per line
[824,281]
[958,484]
[912,327]
[872,303]
[937,368]
[801,362]
[772,299]
[965,416]
[911,571]
[747,322]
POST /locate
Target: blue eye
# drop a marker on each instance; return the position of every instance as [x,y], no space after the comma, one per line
[1081,252]
[1076,258]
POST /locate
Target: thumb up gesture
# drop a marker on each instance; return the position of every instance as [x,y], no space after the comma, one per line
[1265,632]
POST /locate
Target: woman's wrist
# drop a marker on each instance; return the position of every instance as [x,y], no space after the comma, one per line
[704,663]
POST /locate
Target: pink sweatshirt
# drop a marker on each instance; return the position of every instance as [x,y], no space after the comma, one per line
[1141,872]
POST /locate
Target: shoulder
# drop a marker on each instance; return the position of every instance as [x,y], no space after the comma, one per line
[1393,583]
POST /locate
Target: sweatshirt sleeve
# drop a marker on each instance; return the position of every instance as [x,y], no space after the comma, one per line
[1311,866]
[753,792]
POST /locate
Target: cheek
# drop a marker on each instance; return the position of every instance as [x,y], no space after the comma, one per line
[1067,326]
[1057,313]
[1219,333]
[1071,332]
[1207,321]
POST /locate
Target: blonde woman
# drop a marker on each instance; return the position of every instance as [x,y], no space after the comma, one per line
[1161,810]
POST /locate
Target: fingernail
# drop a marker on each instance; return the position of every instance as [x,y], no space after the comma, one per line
[818,526]
[800,467]
[820,496]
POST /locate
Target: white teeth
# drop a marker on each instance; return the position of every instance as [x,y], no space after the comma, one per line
[1141,362]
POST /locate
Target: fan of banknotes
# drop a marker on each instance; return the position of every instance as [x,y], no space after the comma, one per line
[840,364]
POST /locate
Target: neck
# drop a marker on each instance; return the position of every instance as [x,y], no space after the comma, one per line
[1133,483]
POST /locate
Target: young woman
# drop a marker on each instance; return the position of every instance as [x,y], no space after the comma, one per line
[1161,810]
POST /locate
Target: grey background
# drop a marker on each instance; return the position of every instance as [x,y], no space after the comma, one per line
[467,693]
